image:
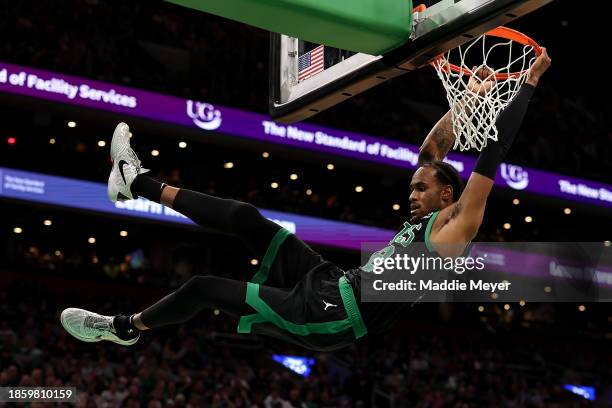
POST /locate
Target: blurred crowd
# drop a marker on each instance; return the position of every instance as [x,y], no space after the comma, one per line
[488,362]
[182,366]
[166,48]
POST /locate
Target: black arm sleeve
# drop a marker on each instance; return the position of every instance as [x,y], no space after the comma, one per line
[508,123]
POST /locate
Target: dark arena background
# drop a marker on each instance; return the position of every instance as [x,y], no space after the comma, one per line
[194,89]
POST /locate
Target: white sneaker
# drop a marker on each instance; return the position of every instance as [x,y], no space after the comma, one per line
[126,165]
[92,327]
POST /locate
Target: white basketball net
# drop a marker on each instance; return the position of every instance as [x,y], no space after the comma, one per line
[474,113]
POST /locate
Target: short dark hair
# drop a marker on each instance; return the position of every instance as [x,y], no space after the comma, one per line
[447,175]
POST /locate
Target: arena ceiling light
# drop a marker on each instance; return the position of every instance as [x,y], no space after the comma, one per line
[72,124]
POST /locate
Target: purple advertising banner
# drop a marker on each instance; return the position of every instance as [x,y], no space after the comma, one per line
[207,117]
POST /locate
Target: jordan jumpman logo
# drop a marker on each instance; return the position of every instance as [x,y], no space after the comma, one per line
[329,305]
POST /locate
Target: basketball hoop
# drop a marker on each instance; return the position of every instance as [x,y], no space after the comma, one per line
[507,56]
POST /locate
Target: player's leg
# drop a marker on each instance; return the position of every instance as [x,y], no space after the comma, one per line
[201,292]
[284,257]
[297,315]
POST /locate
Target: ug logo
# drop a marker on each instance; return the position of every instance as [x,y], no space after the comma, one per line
[204,115]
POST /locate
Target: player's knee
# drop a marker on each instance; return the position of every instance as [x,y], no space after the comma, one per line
[243,215]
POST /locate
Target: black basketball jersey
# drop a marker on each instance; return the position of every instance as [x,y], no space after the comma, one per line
[380,316]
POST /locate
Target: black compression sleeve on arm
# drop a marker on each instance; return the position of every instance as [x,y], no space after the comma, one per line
[508,124]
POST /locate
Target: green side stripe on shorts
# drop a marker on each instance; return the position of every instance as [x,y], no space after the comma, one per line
[266,314]
[352,310]
[428,231]
[245,324]
[264,270]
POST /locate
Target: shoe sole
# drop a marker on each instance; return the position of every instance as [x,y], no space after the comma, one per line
[114,195]
[114,142]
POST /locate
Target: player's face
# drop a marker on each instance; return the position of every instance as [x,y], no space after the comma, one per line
[425,193]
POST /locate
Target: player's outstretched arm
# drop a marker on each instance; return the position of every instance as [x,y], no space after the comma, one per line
[439,140]
[460,222]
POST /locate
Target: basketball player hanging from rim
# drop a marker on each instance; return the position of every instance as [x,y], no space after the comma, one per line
[296,295]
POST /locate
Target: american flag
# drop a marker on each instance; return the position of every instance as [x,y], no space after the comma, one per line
[310,63]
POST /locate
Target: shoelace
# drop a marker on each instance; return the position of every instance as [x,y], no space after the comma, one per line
[96,325]
[137,162]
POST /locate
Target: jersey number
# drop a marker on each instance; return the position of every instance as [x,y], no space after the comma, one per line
[409,234]
[399,239]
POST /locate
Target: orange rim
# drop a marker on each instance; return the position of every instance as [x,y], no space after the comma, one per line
[419,9]
[500,32]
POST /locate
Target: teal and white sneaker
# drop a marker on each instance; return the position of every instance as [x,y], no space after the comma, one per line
[92,327]
[126,165]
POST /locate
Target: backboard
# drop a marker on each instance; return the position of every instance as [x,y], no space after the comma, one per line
[307,78]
